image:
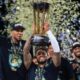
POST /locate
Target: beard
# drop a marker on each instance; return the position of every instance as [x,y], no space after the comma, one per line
[77,55]
[41,62]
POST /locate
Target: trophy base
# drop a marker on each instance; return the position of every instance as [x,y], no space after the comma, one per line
[38,40]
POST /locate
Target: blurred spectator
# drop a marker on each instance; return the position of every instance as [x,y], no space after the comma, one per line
[11,55]
[76,56]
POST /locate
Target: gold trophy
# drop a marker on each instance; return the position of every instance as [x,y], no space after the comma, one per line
[40,13]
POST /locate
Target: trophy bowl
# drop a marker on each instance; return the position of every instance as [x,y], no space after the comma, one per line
[40,40]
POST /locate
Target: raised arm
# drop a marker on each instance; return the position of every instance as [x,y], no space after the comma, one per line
[54,53]
[26,53]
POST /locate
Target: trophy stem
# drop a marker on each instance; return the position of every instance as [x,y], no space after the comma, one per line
[38,22]
[42,23]
[34,14]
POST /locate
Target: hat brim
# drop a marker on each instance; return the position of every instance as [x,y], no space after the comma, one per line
[19,28]
[41,51]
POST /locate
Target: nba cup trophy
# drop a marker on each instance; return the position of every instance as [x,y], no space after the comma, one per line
[40,11]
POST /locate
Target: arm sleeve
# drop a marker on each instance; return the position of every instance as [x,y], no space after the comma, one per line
[53,41]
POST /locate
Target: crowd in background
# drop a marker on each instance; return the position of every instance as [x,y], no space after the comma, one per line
[66,38]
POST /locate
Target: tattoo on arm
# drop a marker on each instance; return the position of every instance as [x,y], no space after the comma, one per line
[26,53]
